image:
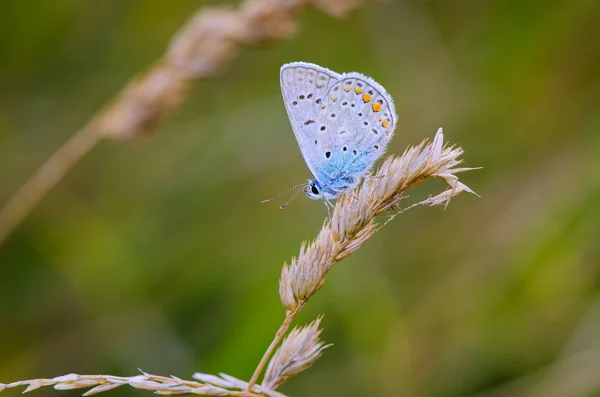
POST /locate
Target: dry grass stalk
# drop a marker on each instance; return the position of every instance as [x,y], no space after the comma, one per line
[203,48]
[209,385]
[353,222]
[298,351]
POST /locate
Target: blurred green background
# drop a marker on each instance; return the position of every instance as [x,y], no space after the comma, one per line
[157,255]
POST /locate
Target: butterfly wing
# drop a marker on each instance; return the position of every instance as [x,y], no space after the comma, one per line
[304,86]
[359,119]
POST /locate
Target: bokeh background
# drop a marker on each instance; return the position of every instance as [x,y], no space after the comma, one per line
[155,254]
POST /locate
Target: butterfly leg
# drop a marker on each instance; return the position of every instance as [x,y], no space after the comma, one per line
[329,207]
[332,206]
[374,176]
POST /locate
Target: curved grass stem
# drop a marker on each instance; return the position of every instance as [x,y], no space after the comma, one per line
[46,177]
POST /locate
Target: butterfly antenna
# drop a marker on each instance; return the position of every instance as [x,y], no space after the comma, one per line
[287,202]
[282,193]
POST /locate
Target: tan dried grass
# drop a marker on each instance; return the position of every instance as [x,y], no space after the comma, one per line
[208,385]
[351,225]
[353,222]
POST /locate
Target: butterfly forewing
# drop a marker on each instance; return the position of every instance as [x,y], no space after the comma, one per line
[304,87]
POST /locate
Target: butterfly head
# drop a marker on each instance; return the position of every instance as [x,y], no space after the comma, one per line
[316,192]
[313,189]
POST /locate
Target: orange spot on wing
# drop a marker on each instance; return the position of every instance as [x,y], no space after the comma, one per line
[358,90]
[376,107]
[385,124]
[367,98]
[347,89]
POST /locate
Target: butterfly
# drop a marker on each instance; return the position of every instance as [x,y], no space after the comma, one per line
[342,122]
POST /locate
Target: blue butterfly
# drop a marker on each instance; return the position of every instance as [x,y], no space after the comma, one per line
[342,122]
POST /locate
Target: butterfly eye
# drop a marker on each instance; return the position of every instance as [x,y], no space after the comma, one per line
[314,189]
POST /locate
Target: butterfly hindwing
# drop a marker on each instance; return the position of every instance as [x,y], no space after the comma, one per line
[355,121]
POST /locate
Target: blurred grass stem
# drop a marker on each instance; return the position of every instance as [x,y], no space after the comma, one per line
[46,177]
[202,48]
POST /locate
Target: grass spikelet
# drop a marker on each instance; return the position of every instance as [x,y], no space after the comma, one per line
[298,351]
